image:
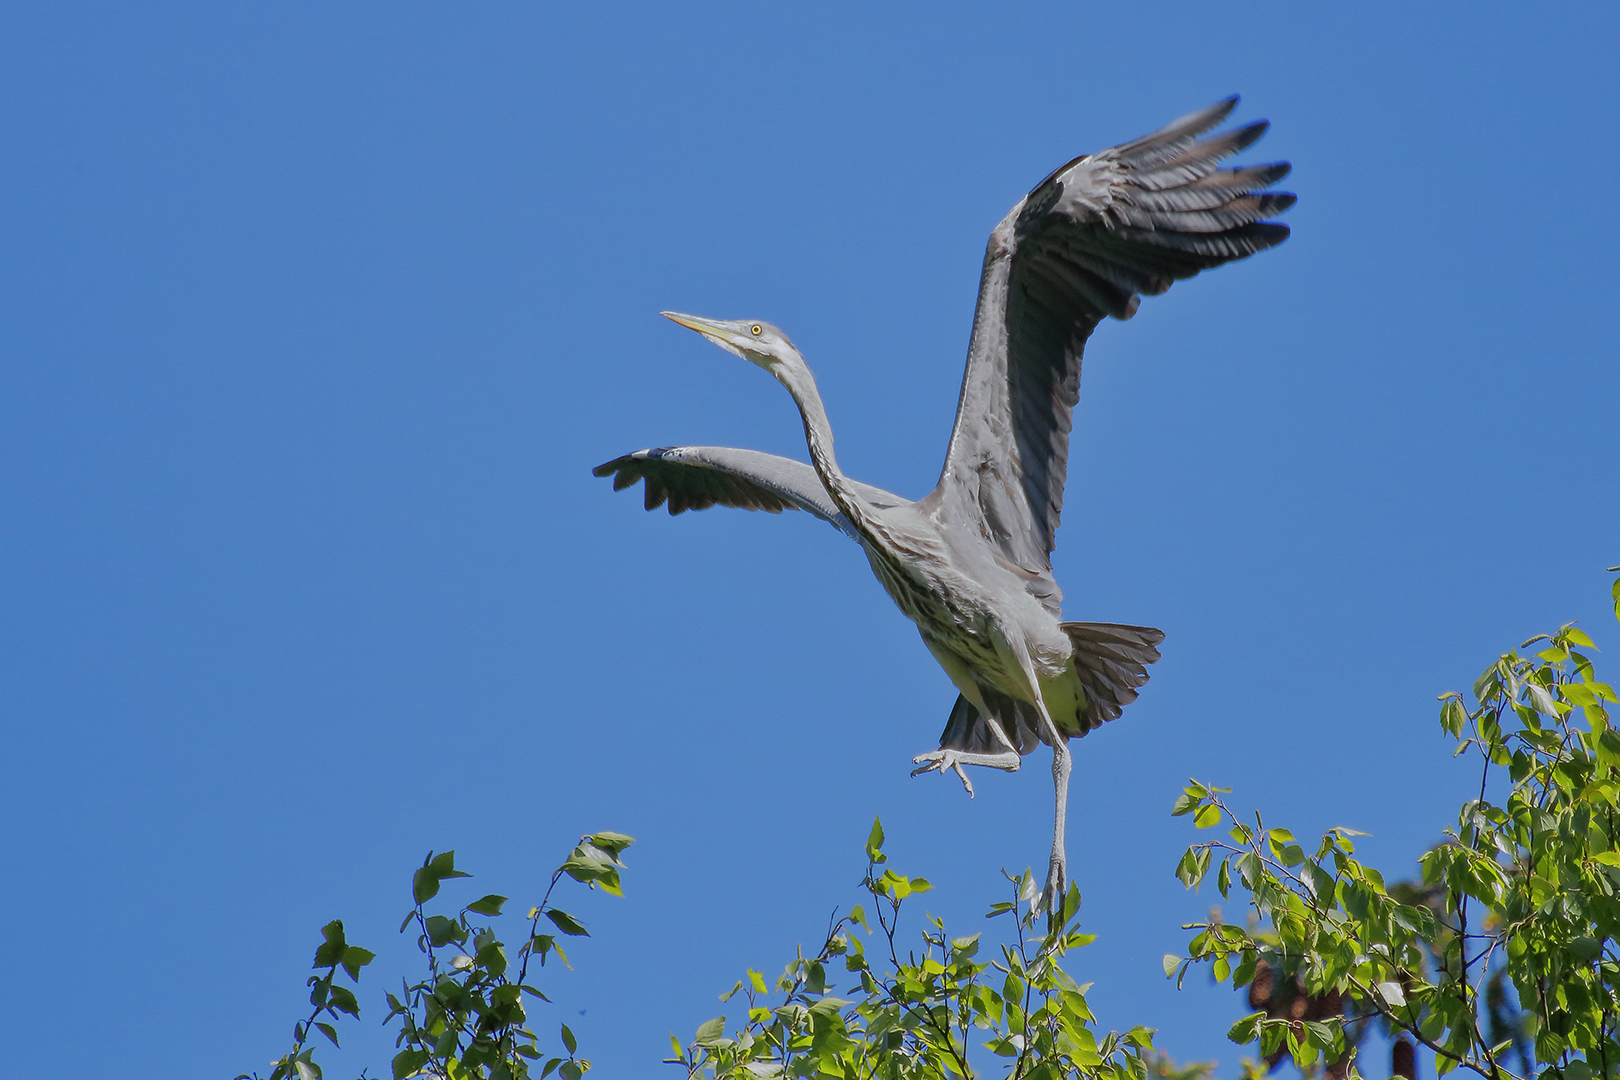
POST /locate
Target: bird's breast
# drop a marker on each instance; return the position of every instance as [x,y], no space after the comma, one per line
[959,615]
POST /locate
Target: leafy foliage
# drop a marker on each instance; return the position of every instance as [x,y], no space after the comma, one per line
[326,998]
[466,1017]
[929,1011]
[1523,896]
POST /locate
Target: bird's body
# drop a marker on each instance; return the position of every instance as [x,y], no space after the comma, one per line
[970,562]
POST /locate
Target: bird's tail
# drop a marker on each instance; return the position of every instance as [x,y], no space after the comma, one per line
[1111,661]
[1110,667]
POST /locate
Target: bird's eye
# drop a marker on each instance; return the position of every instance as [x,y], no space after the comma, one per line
[756,329]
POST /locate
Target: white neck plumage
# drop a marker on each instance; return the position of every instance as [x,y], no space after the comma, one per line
[819,438]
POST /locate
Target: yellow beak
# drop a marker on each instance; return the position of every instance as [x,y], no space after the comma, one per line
[716,332]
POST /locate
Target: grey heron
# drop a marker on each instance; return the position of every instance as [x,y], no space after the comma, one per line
[970,562]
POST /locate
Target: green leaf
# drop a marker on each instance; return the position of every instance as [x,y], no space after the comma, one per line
[1002,1047]
[611,842]
[1608,748]
[1586,947]
[1171,962]
[343,1000]
[1317,880]
[442,931]
[330,953]
[566,923]
[1246,1030]
[594,866]
[1578,694]
[486,905]
[328,1030]
[1541,700]
[1208,817]
[1453,717]
[444,865]
[1185,803]
[409,1062]
[435,868]
[569,1040]
[1193,865]
[355,958]
[874,842]
[492,958]
[711,1032]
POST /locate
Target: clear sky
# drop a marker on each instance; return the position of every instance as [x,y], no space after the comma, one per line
[314,319]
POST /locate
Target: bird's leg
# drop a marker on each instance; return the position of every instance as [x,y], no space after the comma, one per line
[942,759]
[1057,874]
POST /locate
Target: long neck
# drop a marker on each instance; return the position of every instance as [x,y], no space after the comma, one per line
[819,438]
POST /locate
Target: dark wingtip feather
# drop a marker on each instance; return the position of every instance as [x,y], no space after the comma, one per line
[1267,234]
[1249,134]
[1273,172]
[1276,202]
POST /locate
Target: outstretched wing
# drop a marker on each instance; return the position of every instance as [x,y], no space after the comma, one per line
[1091,238]
[698,477]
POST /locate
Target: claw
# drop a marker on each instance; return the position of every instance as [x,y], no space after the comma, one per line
[940,760]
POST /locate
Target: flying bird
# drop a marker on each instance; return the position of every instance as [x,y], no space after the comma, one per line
[970,562]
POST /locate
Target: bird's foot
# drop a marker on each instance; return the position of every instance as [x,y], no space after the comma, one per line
[1051,899]
[939,761]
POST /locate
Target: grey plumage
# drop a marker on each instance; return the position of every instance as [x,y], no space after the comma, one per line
[698,477]
[970,562]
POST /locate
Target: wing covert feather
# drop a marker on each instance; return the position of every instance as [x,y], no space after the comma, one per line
[1085,244]
[698,477]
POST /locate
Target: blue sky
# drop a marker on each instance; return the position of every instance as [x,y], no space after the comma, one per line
[314,319]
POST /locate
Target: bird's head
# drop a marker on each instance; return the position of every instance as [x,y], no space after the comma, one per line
[755,341]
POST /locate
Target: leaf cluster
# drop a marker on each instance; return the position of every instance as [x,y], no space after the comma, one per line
[326,998]
[1522,897]
[924,1010]
[466,1017]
